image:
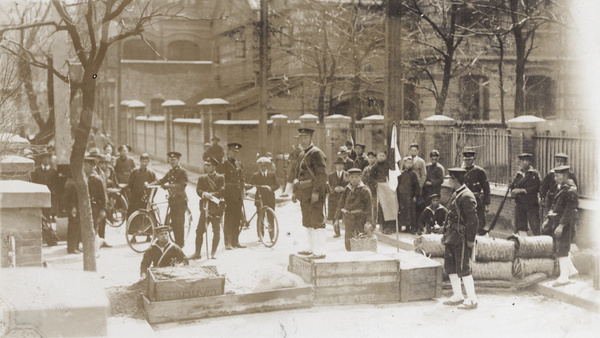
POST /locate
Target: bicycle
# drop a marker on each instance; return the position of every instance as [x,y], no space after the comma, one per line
[262,213]
[142,222]
[116,206]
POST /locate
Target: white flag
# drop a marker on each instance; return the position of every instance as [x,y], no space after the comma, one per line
[394,173]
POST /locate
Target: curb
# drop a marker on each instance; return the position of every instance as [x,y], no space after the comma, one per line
[560,293]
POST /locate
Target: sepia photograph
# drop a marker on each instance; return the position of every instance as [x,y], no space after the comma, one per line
[299,168]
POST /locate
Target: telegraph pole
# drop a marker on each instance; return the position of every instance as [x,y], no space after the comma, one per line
[262,77]
[394,108]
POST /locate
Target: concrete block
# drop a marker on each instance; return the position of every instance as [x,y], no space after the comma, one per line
[56,303]
[20,194]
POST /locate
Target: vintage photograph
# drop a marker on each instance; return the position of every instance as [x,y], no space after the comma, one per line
[299,168]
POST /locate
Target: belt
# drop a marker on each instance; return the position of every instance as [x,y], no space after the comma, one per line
[353,212]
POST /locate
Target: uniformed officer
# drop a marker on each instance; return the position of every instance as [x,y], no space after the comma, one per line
[524,189]
[459,238]
[354,208]
[175,182]
[548,187]
[138,178]
[210,188]
[162,252]
[310,189]
[562,220]
[233,171]
[477,181]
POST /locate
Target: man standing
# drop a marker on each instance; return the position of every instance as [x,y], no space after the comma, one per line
[233,171]
[44,174]
[459,238]
[124,164]
[476,180]
[137,180]
[548,187]
[418,163]
[210,188]
[175,182]
[265,182]
[354,208]
[563,218]
[162,252]
[310,189]
[71,207]
[371,183]
[336,184]
[215,151]
[434,177]
[524,189]
[361,161]
[348,162]
[97,195]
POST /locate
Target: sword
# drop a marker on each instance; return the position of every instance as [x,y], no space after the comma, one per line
[206,227]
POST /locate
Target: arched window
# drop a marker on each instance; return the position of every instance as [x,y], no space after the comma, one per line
[183,50]
[138,50]
[475,97]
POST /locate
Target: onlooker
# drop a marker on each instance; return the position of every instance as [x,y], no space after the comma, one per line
[354,208]
[371,183]
[124,164]
[336,184]
[46,175]
[408,191]
[348,162]
[136,185]
[361,161]
[215,151]
[434,177]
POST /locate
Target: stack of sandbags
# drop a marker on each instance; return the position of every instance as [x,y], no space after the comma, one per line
[493,259]
[533,254]
[430,245]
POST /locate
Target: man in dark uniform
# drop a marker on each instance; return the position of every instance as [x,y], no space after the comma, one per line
[563,218]
[44,174]
[434,215]
[265,182]
[137,180]
[348,162]
[548,187]
[215,151]
[210,188]
[162,252]
[97,195]
[459,238]
[435,176]
[233,171]
[371,183]
[354,208]
[124,164]
[336,184]
[310,188]
[476,180]
[175,182]
[524,188]
[361,161]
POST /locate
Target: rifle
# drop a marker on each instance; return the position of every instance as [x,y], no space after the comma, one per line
[497,216]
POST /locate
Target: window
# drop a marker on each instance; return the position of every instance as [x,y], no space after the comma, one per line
[475,97]
[138,49]
[183,50]
[539,96]
[240,48]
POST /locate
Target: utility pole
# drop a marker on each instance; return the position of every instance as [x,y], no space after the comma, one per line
[263,53]
[394,108]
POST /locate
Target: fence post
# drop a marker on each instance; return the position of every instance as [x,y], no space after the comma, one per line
[371,133]
[171,107]
[338,132]
[522,132]
[438,136]
[135,108]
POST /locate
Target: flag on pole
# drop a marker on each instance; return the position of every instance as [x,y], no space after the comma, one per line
[395,171]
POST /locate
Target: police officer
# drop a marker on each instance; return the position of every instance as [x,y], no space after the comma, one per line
[175,182]
[138,178]
[310,189]
[354,208]
[477,181]
[233,171]
[548,187]
[524,189]
[459,238]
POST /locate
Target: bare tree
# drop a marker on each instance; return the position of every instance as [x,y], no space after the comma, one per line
[10,102]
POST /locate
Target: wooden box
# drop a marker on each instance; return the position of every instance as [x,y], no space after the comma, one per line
[350,277]
[190,283]
[420,277]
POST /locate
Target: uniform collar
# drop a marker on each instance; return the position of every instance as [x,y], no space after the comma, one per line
[360,185]
[461,189]
[309,147]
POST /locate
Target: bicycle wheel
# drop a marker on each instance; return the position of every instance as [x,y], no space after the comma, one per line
[268,227]
[187,223]
[140,230]
[119,210]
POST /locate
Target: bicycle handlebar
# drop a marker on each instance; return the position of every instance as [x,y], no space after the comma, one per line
[153,186]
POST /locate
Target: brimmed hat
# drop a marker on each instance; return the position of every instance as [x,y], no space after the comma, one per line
[305,131]
[457,172]
[563,169]
[95,152]
[359,145]
[234,145]
[215,138]
[467,154]
[211,160]
[207,144]
[174,154]
[89,159]
[562,155]
[144,156]
[104,158]
[123,146]
[162,228]
[354,171]
[434,152]
[343,150]
[371,153]
[525,155]
[263,160]
[434,195]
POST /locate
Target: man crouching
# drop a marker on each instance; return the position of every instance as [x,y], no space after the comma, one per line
[354,207]
[162,252]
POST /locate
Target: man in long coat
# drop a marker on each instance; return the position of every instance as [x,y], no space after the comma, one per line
[233,171]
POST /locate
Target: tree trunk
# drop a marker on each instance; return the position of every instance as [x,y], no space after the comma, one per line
[321,102]
[520,47]
[441,101]
[501,78]
[354,106]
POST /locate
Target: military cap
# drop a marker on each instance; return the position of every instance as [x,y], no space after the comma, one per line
[561,155]
[354,171]
[95,152]
[339,160]
[416,145]
[457,172]
[123,146]
[211,160]
[207,145]
[468,154]
[144,156]
[343,150]
[162,228]
[563,169]
[104,158]
[526,155]
[306,131]
[371,153]
[174,154]
[360,145]
[234,145]
[434,152]
[263,160]
[215,138]
[434,195]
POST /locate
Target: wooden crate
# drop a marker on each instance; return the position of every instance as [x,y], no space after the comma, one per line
[420,277]
[350,277]
[205,307]
[183,288]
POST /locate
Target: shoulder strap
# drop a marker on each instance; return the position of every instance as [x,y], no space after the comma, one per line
[169,246]
[304,161]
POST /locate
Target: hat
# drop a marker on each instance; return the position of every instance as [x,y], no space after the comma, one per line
[211,160]
[563,169]
[457,172]
[561,155]
[339,160]
[124,145]
[215,138]
[305,131]
[207,144]
[263,160]
[95,152]
[434,152]
[525,155]
[343,150]
[234,145]
[144,156]
[174,154]
[434,195]
[416,145]
[354,171]
[162,228]
[89,159]
[468,154]
[360,145]
[104,158]
[371,153]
